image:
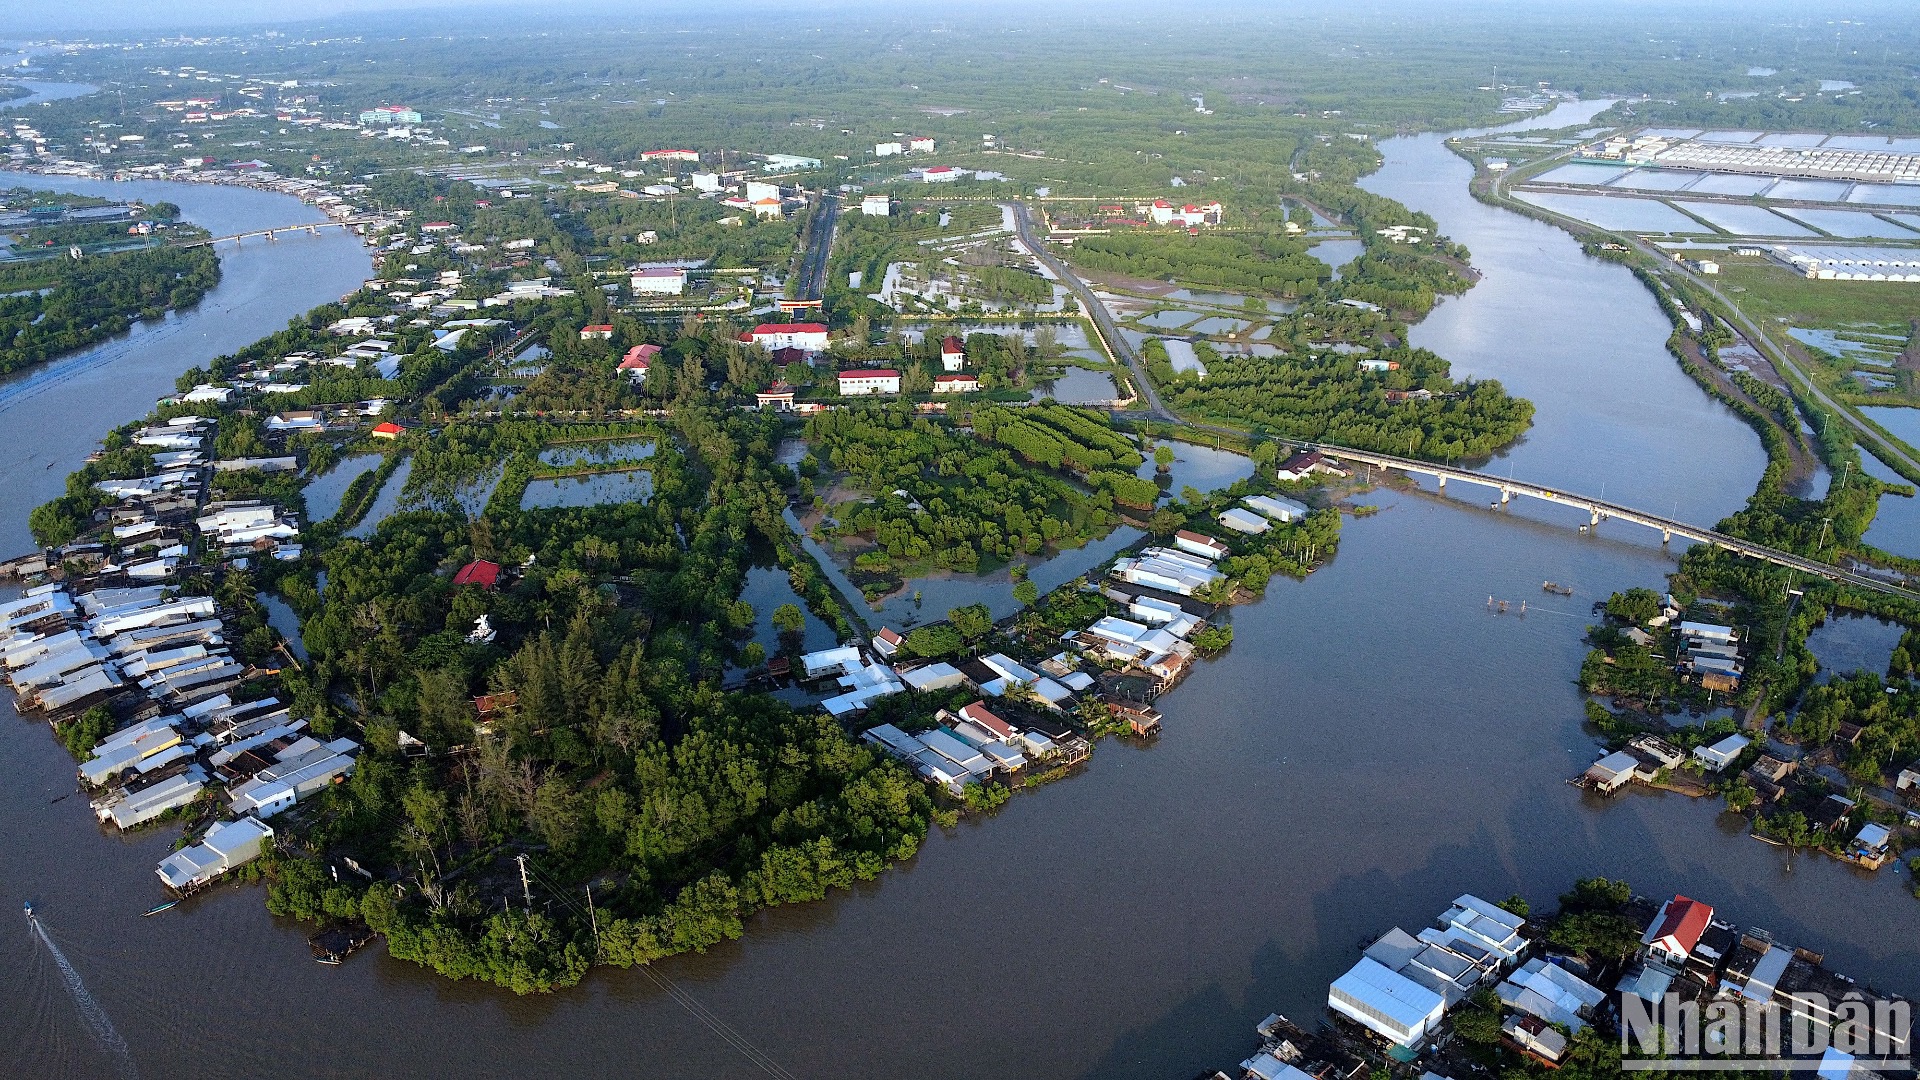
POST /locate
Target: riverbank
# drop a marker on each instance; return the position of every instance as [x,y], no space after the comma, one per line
[1758,771]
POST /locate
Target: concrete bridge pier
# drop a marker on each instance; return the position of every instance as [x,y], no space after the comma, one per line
[1666,536]
[1443,483]
[1505,494]
[1595,522]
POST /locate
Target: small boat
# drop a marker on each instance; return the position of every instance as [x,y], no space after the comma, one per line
[158,908]
[1556,588]
[29,906]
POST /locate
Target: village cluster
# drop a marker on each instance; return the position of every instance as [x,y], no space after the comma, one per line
[1399,1001]
[1840,813]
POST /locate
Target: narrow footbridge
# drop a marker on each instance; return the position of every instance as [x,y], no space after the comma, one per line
[311,228]
[1599,510]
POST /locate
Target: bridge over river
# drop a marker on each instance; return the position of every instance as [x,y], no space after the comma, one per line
[312,229]
[1599,510]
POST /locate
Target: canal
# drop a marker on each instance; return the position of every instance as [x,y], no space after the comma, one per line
[1374,743]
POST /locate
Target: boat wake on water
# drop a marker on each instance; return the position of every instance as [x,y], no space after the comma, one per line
[91,1014]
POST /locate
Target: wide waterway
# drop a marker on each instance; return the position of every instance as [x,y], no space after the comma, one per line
[1374,744]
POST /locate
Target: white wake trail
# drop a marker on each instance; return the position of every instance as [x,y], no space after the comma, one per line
[91,1013]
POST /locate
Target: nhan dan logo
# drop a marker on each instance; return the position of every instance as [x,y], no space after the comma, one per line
[1801,1031]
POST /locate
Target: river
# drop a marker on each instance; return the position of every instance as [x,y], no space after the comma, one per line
[1374,743]
[92,886]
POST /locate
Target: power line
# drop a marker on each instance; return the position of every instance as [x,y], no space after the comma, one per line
[687,1001]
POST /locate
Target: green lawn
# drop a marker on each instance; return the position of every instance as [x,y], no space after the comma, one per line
[1769,292]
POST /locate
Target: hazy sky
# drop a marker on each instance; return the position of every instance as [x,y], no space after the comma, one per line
[22,18]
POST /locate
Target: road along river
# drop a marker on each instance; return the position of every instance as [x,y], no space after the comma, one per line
[1373,744]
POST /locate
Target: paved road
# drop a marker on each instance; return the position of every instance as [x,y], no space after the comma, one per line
[812,283]
[1117,344]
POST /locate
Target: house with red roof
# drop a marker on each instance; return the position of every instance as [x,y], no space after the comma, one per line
[387,429]
[887,641]
[977,713]
[953,354]
[808,337]
[478,572]
[956,384]
[1308,462]
[638,361]
[863,381]
[597,332]
[1676,930]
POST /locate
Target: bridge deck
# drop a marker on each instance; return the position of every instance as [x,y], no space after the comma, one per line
[1601,510]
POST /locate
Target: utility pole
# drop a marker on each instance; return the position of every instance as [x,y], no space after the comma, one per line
[526,889]
[592,915]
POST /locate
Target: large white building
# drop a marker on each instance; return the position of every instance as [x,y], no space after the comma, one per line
[876,206]
[660,280]
[864,381]
[1386,1002]
[1163,212]
[807,337]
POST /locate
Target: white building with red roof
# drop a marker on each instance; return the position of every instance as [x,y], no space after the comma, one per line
[1163,212]
[1676,930]
[940,174]
[810,337]
[953,354]
[863,381]
[596,332]
[639,361]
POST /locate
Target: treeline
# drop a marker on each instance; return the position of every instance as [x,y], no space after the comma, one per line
[1271,264]
[94,298]
[1332,400]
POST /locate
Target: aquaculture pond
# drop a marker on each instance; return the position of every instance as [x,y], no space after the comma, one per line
[612,452]
[324,492]
[631,485]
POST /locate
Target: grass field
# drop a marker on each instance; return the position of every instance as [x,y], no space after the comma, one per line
[1770,292]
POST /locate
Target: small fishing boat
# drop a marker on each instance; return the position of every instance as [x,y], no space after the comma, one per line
[1556,588]
[158,908]
[29,911]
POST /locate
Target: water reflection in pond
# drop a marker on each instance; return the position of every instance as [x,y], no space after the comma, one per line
[767,588]
[1076,386]
[1199,467]
[633,485]
[1845,644]
[282,618]
[597,453]
[386,503]
[324,492]
[1232,300]
[1167,320]
[1337,253]
[1896,524]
